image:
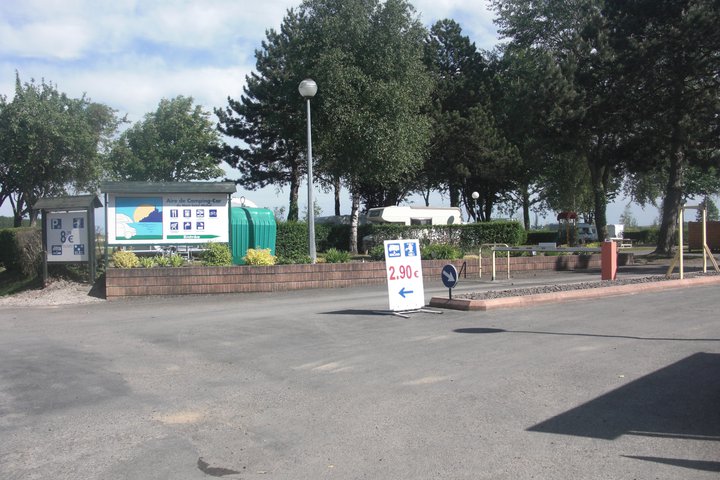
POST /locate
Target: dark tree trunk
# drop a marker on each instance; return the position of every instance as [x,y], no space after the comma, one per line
[337,187]
[526,208]
[17,207]
[293,209]
[488,209]
[672,203]
[454,192]
[599,175]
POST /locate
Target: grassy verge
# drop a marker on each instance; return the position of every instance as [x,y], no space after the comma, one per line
[12,283]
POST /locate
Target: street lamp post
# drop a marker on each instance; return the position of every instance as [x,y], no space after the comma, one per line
[475,196]
[308,89]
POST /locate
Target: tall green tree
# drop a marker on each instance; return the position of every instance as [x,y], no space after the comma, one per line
[460,85]
[177,142]
[5,185]
[368,124]
[372,128]
[575,34]
[531,96]
[50,144]
[269,119]
[669,63]
[566,186]
[469,152]
[712,214]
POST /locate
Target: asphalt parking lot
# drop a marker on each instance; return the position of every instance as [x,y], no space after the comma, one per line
[324,384]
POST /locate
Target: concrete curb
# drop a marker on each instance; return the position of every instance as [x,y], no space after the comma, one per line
[557,297]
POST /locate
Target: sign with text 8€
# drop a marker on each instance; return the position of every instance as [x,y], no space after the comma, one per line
[404,275]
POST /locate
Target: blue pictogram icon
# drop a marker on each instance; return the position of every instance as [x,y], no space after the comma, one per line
[411,249]
[393,250]
[404,292]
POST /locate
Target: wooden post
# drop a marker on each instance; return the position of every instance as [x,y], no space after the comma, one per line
[43,216]
[704,240]
[680,243]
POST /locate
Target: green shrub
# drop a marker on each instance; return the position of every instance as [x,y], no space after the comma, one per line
[299,259]
[125,259]
[162,261]
[329,236]
[642,236]
[292,240]
[377,252]
[21,250]
[337,256]
[216,255]
[176,260]
[146,262]
[440,251]
[260,256]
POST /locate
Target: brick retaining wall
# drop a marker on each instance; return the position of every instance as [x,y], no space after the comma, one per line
[190,280]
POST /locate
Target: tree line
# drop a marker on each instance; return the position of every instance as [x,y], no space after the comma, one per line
[582,101]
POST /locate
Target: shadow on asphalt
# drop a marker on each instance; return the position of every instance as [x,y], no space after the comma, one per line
[480,330]
[678,401]
[703,465]
[359,312]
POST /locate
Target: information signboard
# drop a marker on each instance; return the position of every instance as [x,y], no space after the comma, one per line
[168,219]
[403,267]
[67,237]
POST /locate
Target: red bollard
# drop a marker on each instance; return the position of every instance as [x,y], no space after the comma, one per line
[608,259]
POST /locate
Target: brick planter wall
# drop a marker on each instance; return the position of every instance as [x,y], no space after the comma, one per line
[133,282]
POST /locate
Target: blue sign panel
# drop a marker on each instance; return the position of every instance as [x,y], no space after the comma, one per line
[449,276]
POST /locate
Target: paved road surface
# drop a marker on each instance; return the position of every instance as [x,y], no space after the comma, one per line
[319,384]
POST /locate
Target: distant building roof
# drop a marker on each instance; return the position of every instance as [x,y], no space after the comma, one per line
[68,203]
[168,187]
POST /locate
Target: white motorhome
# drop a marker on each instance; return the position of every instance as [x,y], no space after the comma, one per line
[587,233]
[415,215]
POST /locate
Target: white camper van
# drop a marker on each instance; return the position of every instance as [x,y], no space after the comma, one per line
[415,215]
[587,233]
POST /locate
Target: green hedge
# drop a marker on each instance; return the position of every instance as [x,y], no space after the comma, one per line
[9,222]
[292,236]
[21,250]
[332,236]
[535,237]
[466,237]
[643,236]
[475,234]
[291,239]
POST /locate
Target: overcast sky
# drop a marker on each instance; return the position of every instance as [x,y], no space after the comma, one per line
[131,54]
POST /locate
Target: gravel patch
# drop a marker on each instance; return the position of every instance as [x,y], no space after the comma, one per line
[58,292]
[519,292]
